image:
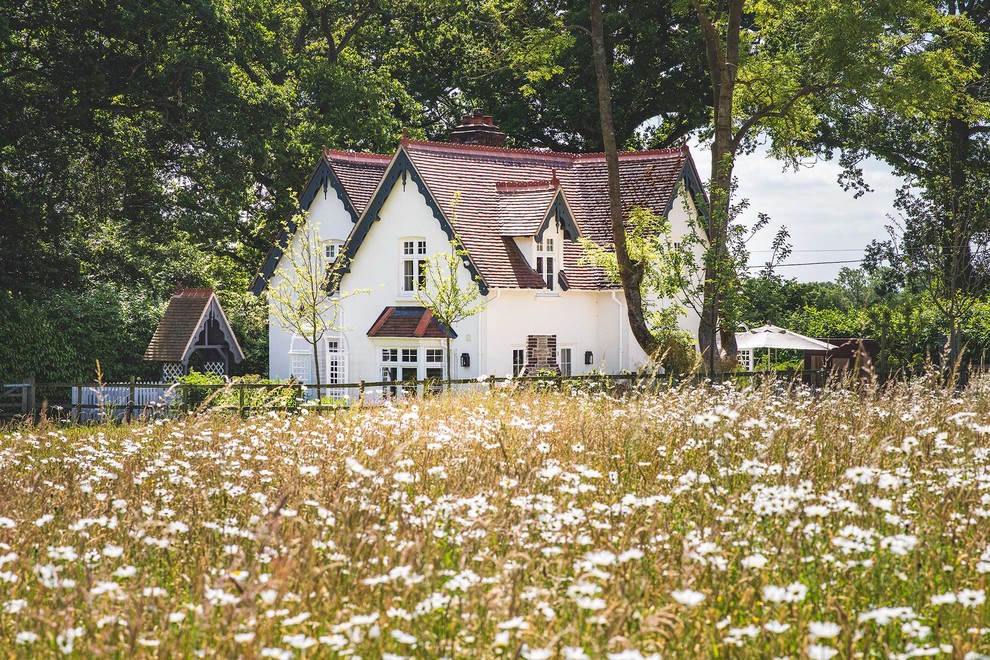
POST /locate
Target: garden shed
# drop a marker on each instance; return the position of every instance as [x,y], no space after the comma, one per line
[195,334]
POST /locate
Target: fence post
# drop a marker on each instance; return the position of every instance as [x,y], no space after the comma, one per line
[130,400]
[79,403]
[361,393]
[491,383]
[31,396]
[240,399]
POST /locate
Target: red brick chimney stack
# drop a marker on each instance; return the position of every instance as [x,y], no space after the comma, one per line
[478,128]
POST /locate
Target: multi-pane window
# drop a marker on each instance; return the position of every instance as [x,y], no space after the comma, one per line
[331,250]
[565,361]
[413,265]
[300,367]
[518,361]
[336,361]
[434,367]
[546,262]
[402,365]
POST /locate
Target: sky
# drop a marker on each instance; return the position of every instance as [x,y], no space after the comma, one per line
[826,223]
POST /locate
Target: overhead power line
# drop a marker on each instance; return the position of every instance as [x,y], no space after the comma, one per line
[809,250]
[809,263]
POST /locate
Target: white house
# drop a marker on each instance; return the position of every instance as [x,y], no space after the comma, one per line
[518,213]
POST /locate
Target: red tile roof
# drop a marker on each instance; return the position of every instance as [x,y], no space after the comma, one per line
[522,208]
[507,192]
[483,177]
[411,322]
[359,173]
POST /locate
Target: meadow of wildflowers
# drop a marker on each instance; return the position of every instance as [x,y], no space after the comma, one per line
[696,522]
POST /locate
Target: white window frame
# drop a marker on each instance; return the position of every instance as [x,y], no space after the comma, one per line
[547,262]
[413,252]
[393,358]
[331,250]
[336,365]
[301,367]
[517,367]
[566,350]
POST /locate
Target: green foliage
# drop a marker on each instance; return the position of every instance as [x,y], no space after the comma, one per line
[198,388]
[62,337]
[146,142]
[530,63]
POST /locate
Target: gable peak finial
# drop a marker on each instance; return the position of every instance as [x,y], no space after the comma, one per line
[325,151]
[554,181]
[178,287]
[405,136]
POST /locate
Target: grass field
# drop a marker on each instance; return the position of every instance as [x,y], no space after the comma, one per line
[699,522]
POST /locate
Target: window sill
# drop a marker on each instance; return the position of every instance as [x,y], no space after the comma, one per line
[548,294]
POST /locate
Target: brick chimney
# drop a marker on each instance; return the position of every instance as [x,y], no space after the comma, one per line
[477,128]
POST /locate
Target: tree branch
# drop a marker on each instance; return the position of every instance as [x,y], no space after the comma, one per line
[774,110]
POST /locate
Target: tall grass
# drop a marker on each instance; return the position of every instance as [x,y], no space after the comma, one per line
[697,522]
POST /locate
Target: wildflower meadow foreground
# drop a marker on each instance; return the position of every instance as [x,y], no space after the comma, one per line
[697,522]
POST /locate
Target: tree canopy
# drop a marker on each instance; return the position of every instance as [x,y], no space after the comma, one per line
[148,141]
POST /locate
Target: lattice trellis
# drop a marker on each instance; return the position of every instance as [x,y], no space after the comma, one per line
[171,371]
[215,368]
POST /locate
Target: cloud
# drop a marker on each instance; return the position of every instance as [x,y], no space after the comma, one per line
[826,223]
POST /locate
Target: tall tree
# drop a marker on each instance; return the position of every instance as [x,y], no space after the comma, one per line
[530,65]
[776,68]
[941,146]
[631,272]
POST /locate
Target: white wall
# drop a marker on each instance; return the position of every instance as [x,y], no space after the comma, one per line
[334,222]
[377,268]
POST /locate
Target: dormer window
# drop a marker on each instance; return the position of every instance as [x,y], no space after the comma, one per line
[547,261]
[413,259]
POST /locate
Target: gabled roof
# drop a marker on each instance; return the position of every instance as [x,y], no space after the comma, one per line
[522,207]
[480,177]
[408,322]
[525,209]
[484,196]
[184,319]
[353,176]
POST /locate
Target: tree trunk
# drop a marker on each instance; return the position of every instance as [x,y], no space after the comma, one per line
[722,50]
[316,363]
[447,355]
[630,272]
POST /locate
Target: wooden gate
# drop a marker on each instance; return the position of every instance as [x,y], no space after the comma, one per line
[16,399]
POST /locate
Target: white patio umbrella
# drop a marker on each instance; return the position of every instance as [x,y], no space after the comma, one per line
[772,336]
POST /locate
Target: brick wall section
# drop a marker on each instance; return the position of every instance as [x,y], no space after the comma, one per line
[541,354]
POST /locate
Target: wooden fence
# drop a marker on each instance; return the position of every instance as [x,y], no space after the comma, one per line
[84,402]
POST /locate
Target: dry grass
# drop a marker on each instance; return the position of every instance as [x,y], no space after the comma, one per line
[512,524]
